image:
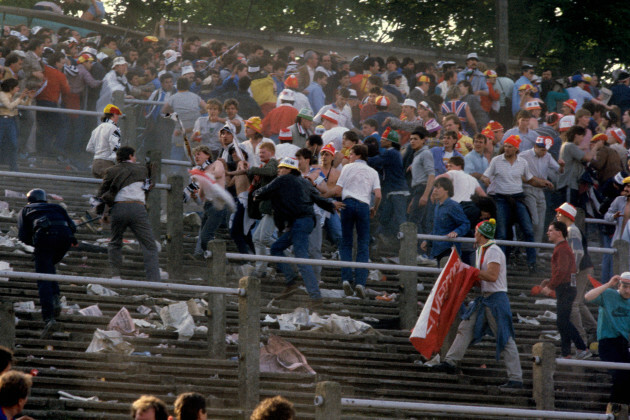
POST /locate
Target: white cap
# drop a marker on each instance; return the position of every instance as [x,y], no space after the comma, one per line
[119,61]
[287,95]
[473,56]
[567,210]
[566,122]
[353,94]
[187,69]
[100,56]
[410,102]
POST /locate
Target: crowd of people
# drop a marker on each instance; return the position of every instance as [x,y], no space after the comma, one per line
[287,150]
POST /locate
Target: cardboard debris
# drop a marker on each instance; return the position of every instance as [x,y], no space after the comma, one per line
[178,317]
[93,310]
[194,308]
[5,266]
[123,323]
[280,356]
[98,290]
[109,342]
[295,321]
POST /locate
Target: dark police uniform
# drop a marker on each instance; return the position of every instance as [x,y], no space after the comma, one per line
[49,229]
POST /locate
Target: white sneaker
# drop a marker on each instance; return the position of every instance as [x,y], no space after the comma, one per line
[426,261]
[583,354]
[360,290]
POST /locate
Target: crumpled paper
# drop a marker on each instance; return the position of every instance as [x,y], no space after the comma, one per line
[123,323]
[549,302]
[66,396]
[281,356]
[300,319]
[98,290]
[5,266]
[93,310]
[24,306]
[109,342]
[548,316]
[178,317]
[14,194]
[527,320]
[10,242]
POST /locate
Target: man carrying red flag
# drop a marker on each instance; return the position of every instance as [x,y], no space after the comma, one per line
[490,312]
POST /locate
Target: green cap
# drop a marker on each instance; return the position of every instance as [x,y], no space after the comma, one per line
[306,113]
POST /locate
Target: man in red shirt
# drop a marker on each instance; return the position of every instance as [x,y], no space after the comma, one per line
[563,281]
[51,126]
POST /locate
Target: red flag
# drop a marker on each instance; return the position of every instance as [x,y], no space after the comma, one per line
[593,281]
[440,309]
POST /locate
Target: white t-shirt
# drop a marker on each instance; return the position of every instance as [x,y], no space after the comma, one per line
[334,136]
[286,150]
[495,255]
[464,185]
[358,181]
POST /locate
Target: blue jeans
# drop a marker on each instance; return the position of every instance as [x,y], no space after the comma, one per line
[9,142]
[210,222]
[393,213]
[298,237]
[507,215]
[607,259]
[333,227]
[50,248]
[356,213]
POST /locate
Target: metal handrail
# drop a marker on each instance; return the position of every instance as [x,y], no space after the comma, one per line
[176,162]
[593,249]
[122,283]
[59,110]
[68,178]
[330,263]
[592,364]
[598,221]
[143,102]
[469,409]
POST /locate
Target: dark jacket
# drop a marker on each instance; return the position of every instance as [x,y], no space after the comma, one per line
[43,216]
[292,198]
[263,176]
[389,163]
[118,177]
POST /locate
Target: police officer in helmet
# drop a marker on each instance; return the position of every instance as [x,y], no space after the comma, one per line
[49,229]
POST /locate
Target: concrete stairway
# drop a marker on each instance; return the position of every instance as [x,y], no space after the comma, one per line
[382,366]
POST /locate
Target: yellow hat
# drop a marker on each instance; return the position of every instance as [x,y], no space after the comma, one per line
[112,109]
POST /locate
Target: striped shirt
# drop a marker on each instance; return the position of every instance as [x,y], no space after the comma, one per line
[505,177]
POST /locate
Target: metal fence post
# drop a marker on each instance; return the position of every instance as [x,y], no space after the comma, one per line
[249,344]
[544,355]
[408,302]
[7,325]
[215,275]
[621,412]
[327,400]
[154,202]
[620,258]
[175,226]
[118,99]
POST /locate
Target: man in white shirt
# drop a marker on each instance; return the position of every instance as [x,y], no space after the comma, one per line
[355,185]
[334,133]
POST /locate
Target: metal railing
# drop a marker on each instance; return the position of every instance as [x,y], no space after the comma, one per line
[121,282]
[84,180]
[329,402]
[502,242]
